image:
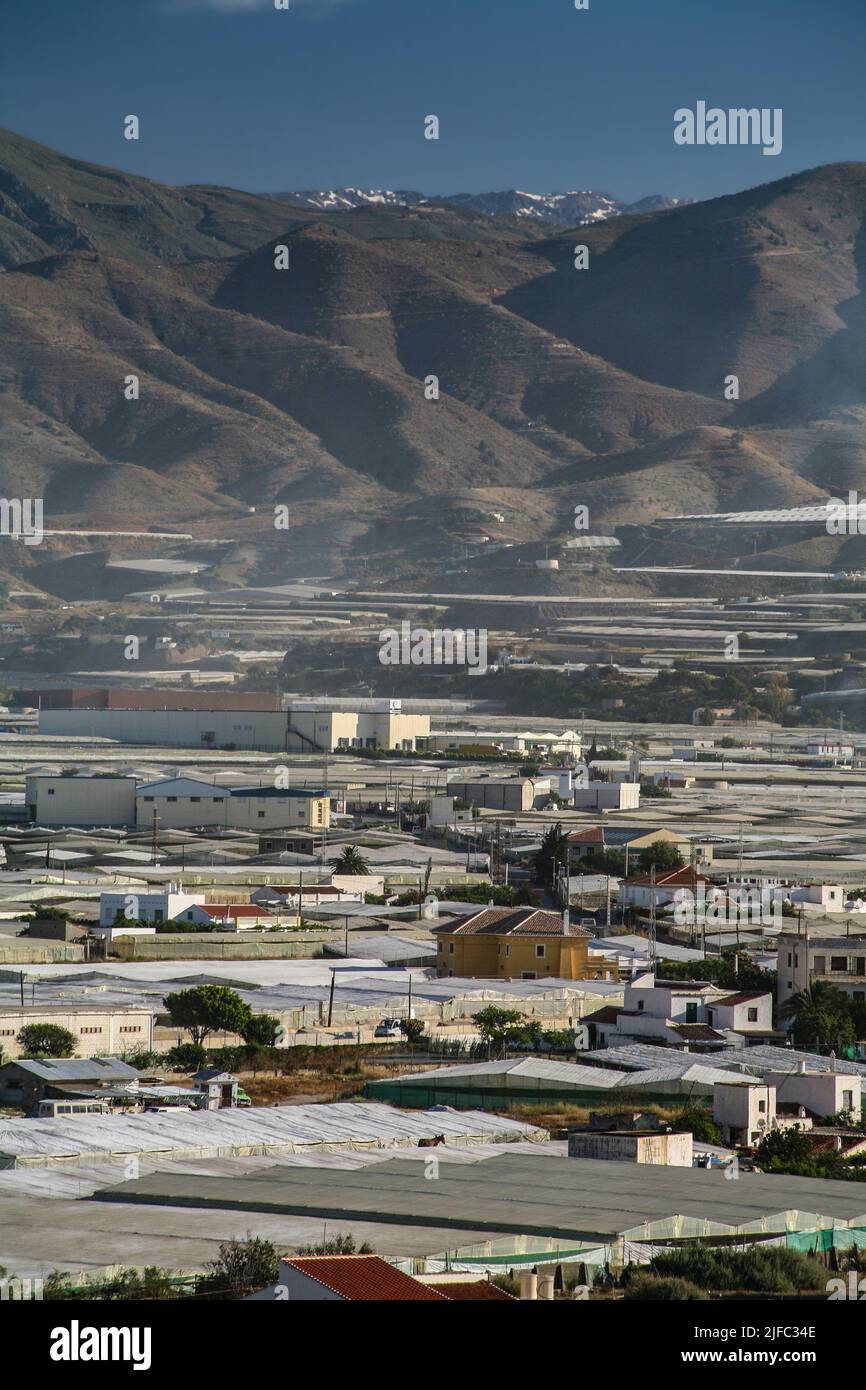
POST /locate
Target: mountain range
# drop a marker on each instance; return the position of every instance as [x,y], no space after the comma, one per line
[311,386]
[561,209]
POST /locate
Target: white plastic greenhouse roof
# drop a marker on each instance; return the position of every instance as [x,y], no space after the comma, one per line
[538,1068]
[264,1129]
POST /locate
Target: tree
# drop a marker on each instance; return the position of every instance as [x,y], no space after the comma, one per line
[552,851]
[243,1266]
[351,861]
[820,1015]
[412,1029]
[698,1123]
[208,1009]
[662,854]
[186,1057]
[46,1040]
[785,1151]
[262,1031]
[499,1027]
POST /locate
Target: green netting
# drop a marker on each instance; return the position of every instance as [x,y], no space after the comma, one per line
[837,1237]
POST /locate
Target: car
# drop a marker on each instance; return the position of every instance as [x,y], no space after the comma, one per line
[388,1028]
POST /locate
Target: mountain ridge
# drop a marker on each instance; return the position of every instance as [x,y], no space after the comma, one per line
[313,387]
[573,208]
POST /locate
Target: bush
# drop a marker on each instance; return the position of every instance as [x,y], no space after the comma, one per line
[648,1286]
[763,1269]
[698,1123]
[46,1040]
[243,1266]
[339,1245]
[186,1057]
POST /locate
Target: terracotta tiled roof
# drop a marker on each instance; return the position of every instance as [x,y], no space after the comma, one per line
[363,1278]
[671,878]
[233,910]
[593,836]
[696,1032]
[609,1013]
[477,1289]
[510,921]
[731,999]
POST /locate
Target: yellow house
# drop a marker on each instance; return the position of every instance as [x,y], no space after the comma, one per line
[517,943]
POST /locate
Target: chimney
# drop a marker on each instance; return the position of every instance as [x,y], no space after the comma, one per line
[801,1067]
[529,1286]
[566,922]
[545,1286]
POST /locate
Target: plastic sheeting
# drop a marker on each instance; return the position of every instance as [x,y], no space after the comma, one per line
[263,1129]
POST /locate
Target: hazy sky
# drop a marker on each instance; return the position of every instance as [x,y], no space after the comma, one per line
[531,94]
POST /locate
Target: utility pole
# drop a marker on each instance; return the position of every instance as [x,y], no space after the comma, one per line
[652,930]
[154,839]
[331,998]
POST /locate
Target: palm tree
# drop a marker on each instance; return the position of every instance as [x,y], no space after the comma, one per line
[351,861]
[818,1014]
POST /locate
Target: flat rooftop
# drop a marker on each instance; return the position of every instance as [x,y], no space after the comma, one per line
[578,1199]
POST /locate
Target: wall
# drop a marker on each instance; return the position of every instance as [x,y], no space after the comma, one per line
[737,1108]
[100,1032]
[499,793]
[272,812]
[80,800]
[820,1092]
[615,796]
[252,729]
[672,1150]
[489,957]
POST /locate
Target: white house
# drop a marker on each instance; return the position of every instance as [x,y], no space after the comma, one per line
[744,1110]
[671,886]
[821,1092]
[819,897]
[150,907]
[680,1013]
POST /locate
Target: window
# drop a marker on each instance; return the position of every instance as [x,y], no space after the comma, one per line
[691,1013]
[195,798]
[261,815]
[857,965]
[528,975]
[451,948]
[171,798]
[752,1015]
[847,1100]
[148,798]
[539,953]
[640,1004]
[50,791]
[820,965]
[839,963]
[762,1106]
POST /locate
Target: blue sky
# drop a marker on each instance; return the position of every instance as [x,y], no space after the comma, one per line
[530,93]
